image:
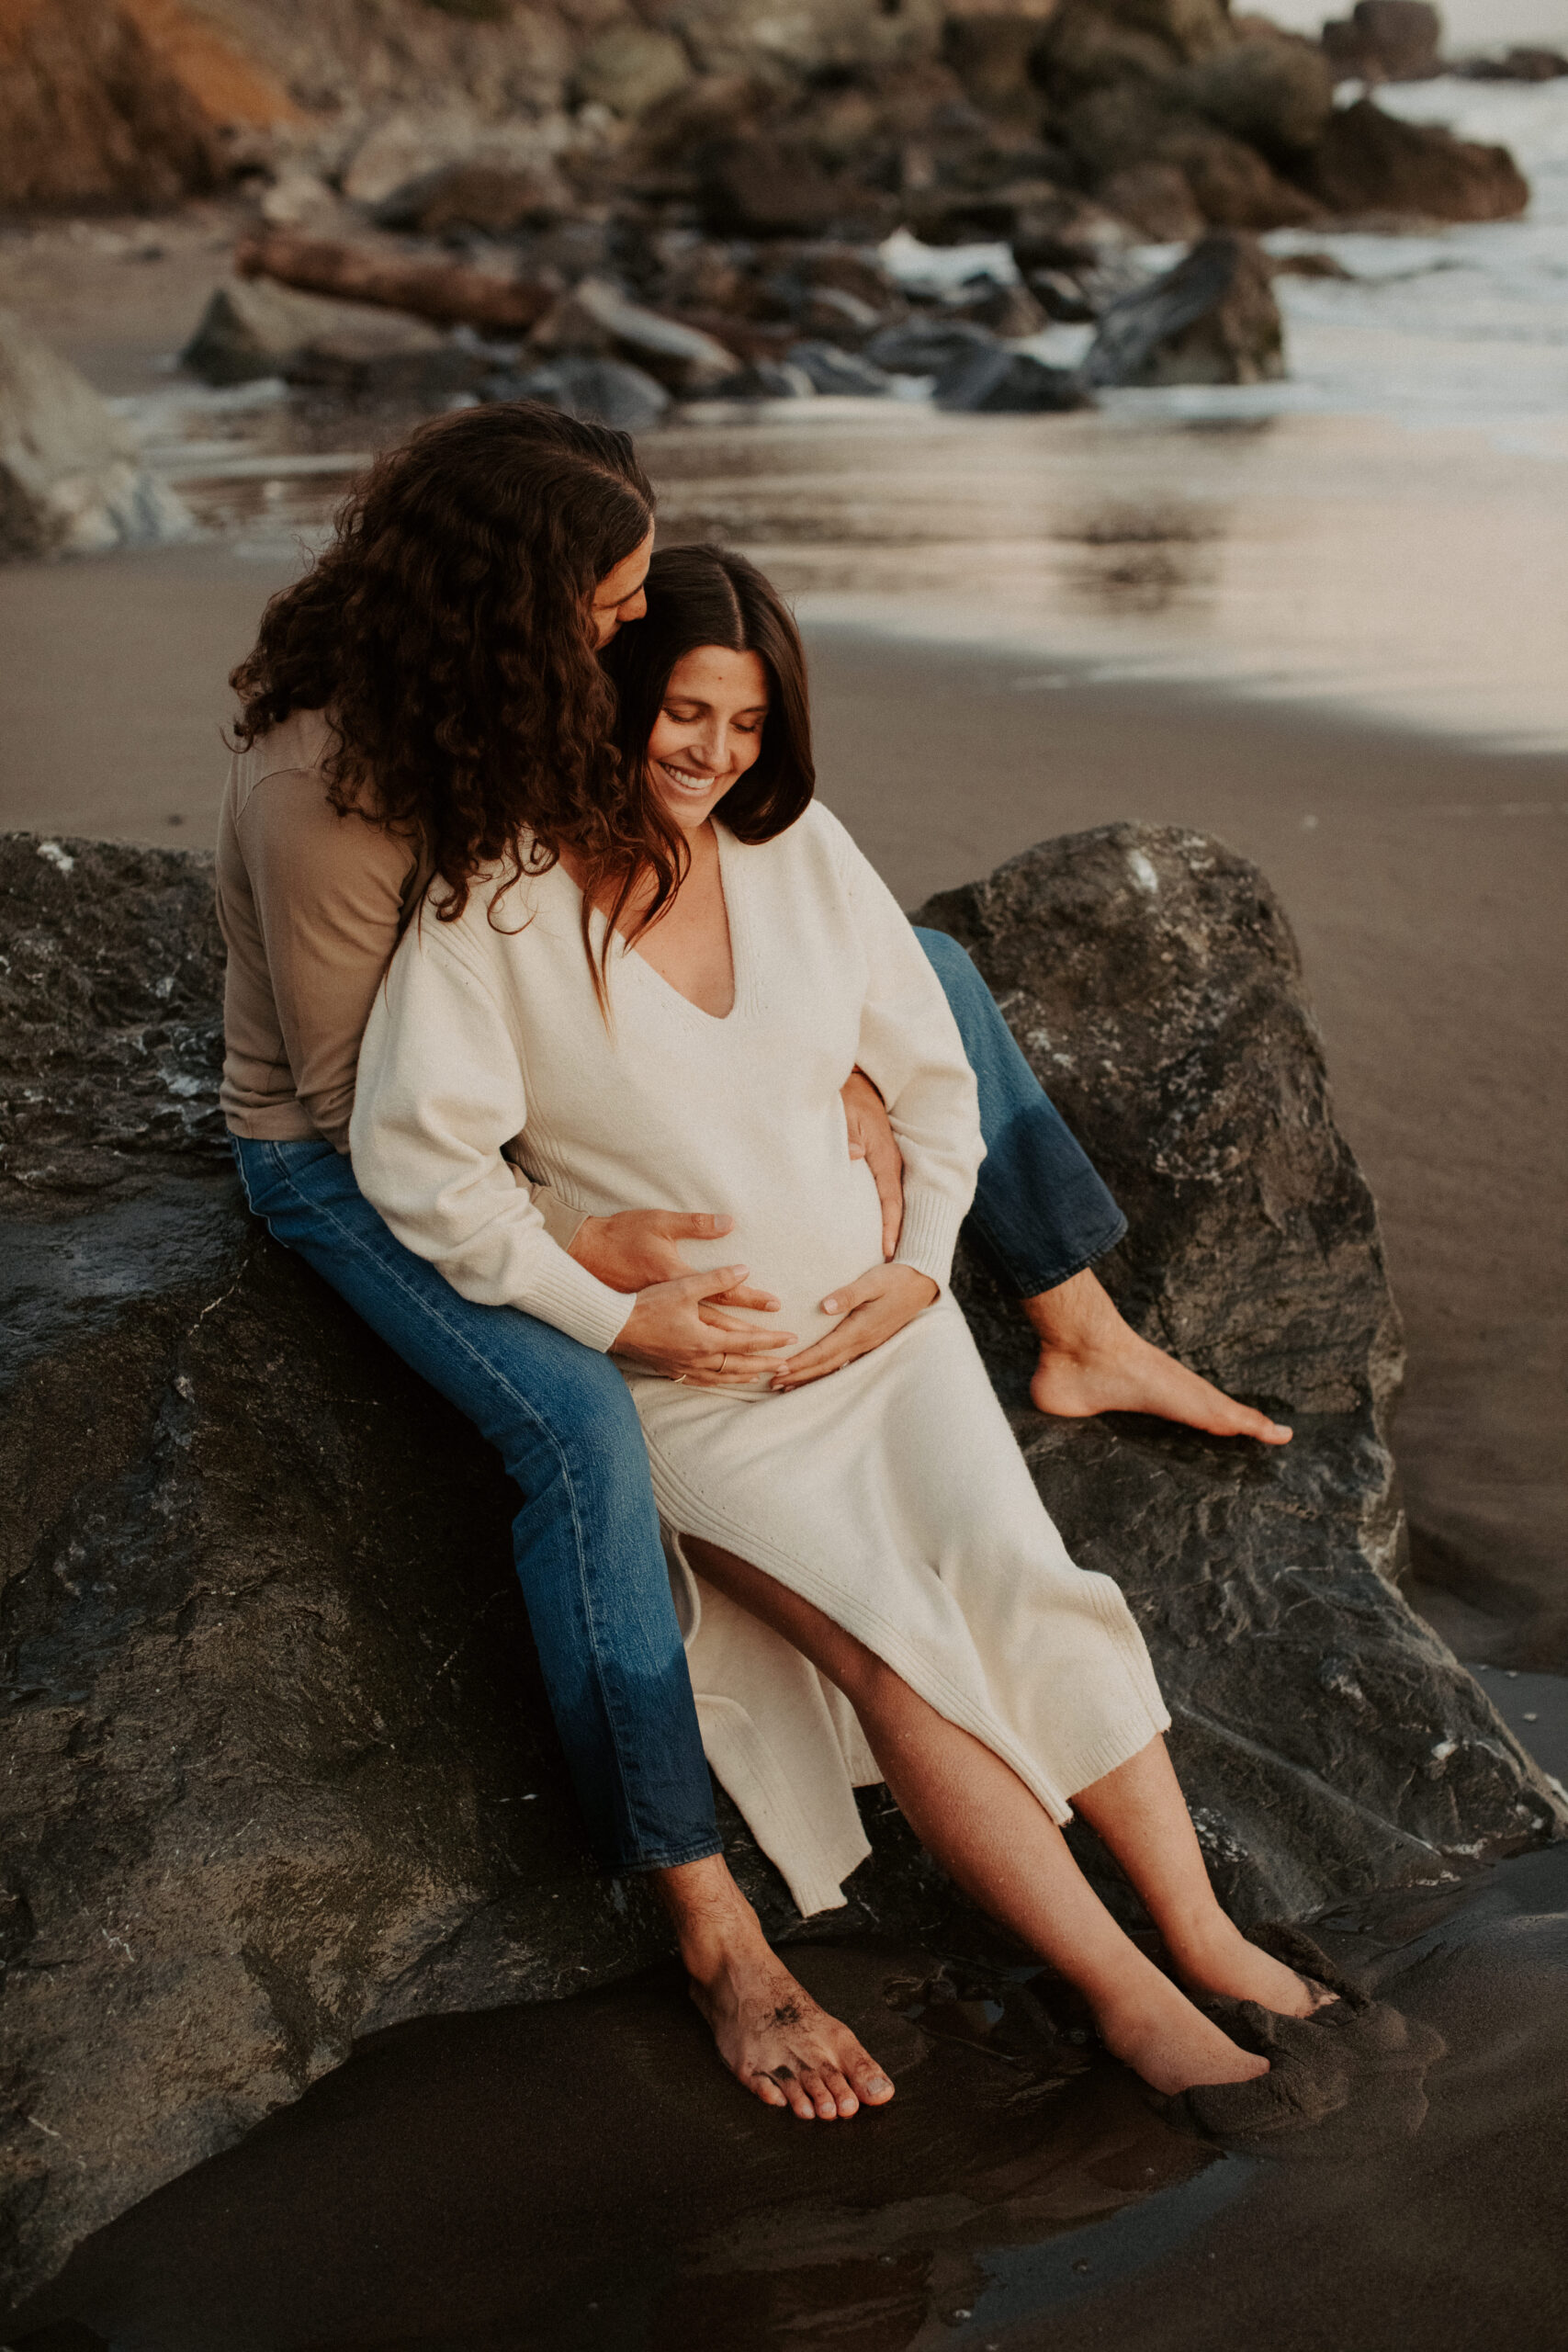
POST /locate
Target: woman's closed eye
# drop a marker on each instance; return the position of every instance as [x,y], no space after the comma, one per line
[749,722]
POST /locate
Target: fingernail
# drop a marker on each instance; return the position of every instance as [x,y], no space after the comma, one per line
[829,1306]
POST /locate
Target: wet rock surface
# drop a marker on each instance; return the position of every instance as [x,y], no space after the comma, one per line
[285,1769]
[1370,162]
[1386,40]
[1212,320]
[254,328]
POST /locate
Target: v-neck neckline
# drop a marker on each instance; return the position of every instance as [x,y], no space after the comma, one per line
[627,951]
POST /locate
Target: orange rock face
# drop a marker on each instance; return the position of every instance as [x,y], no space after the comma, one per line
[119,102]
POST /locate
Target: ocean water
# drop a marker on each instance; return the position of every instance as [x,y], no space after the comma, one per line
[1386,530]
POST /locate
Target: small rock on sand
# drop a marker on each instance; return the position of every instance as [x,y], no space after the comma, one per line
[71,481]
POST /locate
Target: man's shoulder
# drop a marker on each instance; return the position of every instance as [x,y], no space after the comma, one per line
[300,744]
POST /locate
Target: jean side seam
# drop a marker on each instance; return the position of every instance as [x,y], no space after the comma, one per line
[538,1422]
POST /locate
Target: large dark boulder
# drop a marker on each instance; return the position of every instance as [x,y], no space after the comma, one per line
[1370,162]
[1324,1734]
[1386,40]
[283,1773]
[1212,320]
[1140,123]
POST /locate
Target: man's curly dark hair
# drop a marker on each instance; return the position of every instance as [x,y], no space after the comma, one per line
[447,634]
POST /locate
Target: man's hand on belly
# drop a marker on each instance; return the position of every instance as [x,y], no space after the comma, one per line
[641,1247]
[872,1139]
[873,1308]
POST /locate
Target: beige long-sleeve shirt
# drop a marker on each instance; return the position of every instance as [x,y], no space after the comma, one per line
[311,905]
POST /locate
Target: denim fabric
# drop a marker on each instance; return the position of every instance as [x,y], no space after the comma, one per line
[586,1539]
[1039,1209]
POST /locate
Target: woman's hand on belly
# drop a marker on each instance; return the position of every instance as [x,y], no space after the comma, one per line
[873,1308]
[641,1247]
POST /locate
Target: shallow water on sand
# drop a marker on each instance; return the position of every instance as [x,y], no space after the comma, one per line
[582,2174]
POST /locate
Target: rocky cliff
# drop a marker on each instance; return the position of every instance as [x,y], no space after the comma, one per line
[1173,113]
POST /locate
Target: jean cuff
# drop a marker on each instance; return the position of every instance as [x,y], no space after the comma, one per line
[1029,1277]
[698,1851]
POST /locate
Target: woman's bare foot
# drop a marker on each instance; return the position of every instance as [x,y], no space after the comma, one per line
[1218,1959]
[1155,2030]
[775,2039]
[1092,1361]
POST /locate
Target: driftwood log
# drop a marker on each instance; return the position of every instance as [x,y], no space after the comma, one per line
[449,293]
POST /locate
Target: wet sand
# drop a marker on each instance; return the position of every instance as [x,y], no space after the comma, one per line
[582,2175]
[1426,879]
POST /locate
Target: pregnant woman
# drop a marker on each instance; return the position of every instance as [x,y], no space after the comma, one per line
[665,1008]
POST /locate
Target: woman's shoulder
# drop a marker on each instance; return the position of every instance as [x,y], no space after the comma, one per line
[815,838]
[500,916]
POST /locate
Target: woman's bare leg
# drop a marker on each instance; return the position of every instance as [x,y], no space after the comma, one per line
[992,1836]
[771,2033]
[1140,1813]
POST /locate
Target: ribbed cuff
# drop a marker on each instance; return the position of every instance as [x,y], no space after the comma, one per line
[930,1232]
[565,1294]
[562,1222]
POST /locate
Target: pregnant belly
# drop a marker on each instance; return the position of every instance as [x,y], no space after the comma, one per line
[800,1243]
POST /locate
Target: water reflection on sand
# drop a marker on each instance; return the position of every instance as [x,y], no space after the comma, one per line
[1418,575]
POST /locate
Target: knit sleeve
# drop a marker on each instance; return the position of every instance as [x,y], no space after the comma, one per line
[440,1092]
[912,1051]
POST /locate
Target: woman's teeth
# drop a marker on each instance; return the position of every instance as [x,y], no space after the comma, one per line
[687,779]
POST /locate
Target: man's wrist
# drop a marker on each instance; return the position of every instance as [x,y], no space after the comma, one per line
[581,1241]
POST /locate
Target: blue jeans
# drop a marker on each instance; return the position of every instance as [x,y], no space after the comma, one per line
[1041,1209]
[586,1538]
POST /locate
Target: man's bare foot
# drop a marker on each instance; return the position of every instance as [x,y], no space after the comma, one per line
[775,2039]
[1173,2046]
[1218,1958]
[1092,1361]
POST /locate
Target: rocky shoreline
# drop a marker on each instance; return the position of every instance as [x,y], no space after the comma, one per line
[617,209]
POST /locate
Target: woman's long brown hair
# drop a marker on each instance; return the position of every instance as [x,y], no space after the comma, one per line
[448,633]
[698,595]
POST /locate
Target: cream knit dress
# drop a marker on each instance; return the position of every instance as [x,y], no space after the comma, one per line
[892,1494]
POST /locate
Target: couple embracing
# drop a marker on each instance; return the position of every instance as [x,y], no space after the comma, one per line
[574,1043]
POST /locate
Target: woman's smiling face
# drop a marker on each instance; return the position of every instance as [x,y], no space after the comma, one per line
[708,733]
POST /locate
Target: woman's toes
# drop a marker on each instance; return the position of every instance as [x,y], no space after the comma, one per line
[768,2091]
